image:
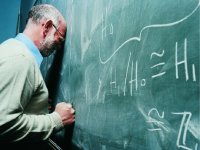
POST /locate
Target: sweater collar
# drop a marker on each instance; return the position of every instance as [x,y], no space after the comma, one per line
[31,46]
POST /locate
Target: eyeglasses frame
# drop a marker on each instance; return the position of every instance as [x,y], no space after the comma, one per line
[60,34]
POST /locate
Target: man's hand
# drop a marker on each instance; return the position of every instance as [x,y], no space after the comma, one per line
[66,112]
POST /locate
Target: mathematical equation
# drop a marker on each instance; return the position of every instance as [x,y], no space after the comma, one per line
[158,125]
[132,69]
[135,81]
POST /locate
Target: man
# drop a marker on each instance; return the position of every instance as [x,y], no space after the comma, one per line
[24,113]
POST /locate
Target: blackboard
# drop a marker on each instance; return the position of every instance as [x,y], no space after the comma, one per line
[131,70]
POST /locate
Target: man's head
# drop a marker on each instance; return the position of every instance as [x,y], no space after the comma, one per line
[46,27]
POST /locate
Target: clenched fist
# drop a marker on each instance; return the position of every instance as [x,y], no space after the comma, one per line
[66,112]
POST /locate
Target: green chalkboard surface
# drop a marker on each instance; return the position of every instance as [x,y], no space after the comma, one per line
[131,70]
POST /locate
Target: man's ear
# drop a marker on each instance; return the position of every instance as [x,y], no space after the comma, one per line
[47,27]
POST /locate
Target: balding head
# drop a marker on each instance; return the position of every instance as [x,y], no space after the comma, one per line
[44,11]
[46,27]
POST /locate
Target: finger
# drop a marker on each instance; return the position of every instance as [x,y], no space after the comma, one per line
[69,105]
[71,120]
[72,111]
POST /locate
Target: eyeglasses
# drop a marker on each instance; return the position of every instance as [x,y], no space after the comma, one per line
[60,34]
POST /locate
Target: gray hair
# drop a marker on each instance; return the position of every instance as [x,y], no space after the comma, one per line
[44,11]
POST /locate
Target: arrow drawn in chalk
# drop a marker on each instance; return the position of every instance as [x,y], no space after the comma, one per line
[143,29]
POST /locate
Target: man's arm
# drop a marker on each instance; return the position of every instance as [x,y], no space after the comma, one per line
[17,89]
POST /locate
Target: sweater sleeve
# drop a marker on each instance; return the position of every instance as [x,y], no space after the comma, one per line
[21,104]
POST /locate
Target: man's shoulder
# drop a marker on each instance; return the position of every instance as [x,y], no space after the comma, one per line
[13,48]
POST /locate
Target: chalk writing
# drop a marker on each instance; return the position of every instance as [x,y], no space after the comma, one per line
[113,80]
[127,68]
[134,81]
[138,38]
[107,28]
[159,64]
[183,129]
[184,62]
[155,121]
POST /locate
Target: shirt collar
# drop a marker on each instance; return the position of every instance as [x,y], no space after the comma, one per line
[31,46]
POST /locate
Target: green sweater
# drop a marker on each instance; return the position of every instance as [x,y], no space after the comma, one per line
[23,96]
